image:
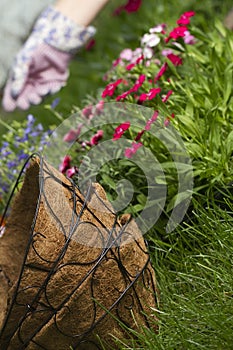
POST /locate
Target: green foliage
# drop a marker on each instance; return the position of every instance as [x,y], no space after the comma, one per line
[202,103]
[194,272]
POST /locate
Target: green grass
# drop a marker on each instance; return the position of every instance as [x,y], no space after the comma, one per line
[194,274]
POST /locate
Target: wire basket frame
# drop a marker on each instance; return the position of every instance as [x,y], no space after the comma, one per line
[76,272]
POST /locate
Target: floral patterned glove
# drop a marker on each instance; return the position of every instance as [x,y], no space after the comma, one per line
[41,67]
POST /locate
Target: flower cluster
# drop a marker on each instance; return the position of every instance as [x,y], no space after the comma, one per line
[21,140]
[143,75]
[74,135]
[140,76]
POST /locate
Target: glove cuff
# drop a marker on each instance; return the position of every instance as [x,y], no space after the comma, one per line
[61,32]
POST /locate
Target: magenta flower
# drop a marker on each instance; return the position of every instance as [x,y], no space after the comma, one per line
[110,88]
[139,135]
[116,62]
[130,6]
[176,60]
[123,96]
[90,44]
[149,95]
[129,152]
[97,137]
[138,83]
[135,88]
[71,171]
[176,33]
[167,96]
[130,66]
[185,18]
[161,71]
[65,165]
[120,130]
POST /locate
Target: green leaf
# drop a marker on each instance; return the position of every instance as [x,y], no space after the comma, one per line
[108,181]
[229,143]
[177,199]
[228,75]
[138,207]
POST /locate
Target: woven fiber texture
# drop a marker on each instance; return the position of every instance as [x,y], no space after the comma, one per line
[72,271]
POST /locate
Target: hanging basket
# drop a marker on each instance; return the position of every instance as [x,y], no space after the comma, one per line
[72,273]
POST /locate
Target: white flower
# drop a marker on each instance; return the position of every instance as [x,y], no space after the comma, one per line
[157,29]
[150,40]
[148,53]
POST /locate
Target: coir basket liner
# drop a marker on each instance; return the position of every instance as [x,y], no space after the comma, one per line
[71,271]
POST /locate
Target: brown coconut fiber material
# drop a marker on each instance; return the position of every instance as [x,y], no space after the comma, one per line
[72,290]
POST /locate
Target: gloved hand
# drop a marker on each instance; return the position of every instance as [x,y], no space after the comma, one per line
[41,67]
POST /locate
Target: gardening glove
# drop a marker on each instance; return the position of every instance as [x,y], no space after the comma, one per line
[41,66]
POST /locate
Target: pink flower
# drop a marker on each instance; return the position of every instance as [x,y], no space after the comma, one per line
[178,32]
[185,18]
[167,96]
[97,137]
[129,152]
[87,111]
[73,134]
[65,165]
[126,54]
[110,88]
[120,130]
[166,52]
[71,171]
[99,107]
[176,60]
[150,95]
[161,71]
[188,38]
[151,120]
